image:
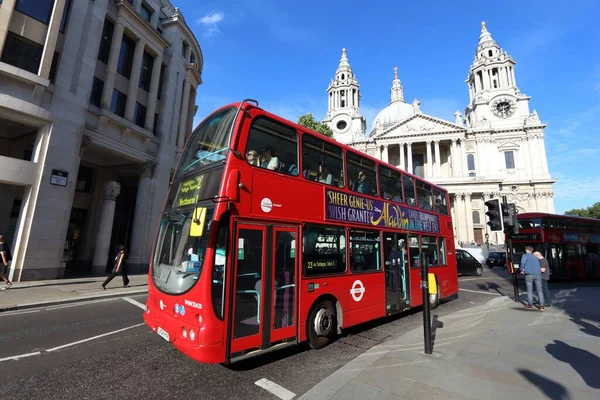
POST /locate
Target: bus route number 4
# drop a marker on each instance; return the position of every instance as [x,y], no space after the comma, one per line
[358,290]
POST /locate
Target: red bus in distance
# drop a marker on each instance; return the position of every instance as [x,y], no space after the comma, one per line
[273,235]
[571,244]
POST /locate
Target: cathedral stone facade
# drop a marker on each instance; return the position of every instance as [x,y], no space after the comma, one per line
[495,149]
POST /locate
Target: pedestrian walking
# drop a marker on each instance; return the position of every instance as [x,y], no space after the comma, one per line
[530,266]
[119,267]
[545,268]
[6,258]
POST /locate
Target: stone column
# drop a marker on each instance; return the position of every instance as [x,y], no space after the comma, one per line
[455,199]
[134,80]
[542,150]
[402,163]
[409,167]
[437,165]
[51,37]
[429,163]
[463,158]
[111,67]
[139,234]
[152,95]
[112,190]
[512,73]
[384,153]
[6,10]
[454,157]
[183,113]
[469,217]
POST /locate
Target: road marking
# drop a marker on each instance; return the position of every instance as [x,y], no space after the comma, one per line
[482,277]
[94,337]
[135,303]
[274,388]
[479,291]
[37,353]
[18,313]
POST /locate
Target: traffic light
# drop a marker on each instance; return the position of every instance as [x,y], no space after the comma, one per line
[512,222]
[494,213]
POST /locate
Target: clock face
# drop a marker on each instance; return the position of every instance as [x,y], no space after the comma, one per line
[504,108]
[341,125]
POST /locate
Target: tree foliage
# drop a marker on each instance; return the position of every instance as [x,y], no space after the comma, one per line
[589,212]
[308,121]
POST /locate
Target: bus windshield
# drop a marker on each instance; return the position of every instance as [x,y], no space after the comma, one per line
[209,142]
[181,249]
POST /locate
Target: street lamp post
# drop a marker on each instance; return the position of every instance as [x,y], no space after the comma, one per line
[487,240]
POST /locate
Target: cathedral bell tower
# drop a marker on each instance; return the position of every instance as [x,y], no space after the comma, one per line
[343,109]
[495,99]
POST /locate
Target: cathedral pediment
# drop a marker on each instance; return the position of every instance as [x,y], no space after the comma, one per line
[420,125]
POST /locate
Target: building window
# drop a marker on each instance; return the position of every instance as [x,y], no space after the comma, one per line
[96,94]
[22,53]
[126,57]
[130,2]
[155,125]
[273,146]
[184,49]
[476,219]
[139,115]
[193,58]
[322,162]
[390,184]
[365,254]
[323,250]
[40,10]
[105,41]
[471,162]
[509,158]
[118,103]
[160,80]
[146,12]
[65,16]
[146,72]
[54,67]
[362,177]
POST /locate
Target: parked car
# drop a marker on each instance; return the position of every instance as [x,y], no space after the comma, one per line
[467,264]
[496,259]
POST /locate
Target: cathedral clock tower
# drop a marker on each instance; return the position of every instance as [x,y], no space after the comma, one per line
[343,109]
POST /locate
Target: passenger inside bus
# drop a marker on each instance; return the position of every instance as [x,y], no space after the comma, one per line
[268,160]
[364,186]
[252,157]
[324,176]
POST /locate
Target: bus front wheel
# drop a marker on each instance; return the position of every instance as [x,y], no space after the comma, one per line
[434,299]
[321,324]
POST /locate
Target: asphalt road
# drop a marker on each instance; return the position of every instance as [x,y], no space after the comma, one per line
[102,350]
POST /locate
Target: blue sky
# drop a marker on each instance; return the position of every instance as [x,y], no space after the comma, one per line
[285,53]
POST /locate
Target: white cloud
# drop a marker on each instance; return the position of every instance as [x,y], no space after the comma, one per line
[576,192]
[211,22]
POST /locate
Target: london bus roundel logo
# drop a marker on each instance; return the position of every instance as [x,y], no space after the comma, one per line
[358,290]
[266,204]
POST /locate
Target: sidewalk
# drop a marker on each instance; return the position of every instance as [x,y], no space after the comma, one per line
[497,351]
[49,292]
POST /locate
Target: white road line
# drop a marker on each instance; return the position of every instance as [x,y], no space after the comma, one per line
[274,388]
[18,313]
[481,292]
[83,303]
[93,338]
[135,303]
[37,353]
[481,277]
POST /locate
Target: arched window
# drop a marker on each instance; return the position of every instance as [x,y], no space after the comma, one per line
[471,162]
[476,219]
[490,53]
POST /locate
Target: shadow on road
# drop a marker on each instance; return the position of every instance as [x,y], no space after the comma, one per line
[553,390]
[586,364]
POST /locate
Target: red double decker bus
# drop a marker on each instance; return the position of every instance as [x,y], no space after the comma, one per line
[570,244]
[273,235]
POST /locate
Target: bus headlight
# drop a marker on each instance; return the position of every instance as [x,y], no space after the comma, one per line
[192,335]
[184,333]
[199,317]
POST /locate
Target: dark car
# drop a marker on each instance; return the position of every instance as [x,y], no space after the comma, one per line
[467,264]
[496,259]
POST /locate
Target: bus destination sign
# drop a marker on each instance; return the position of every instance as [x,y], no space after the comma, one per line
[344,207]
[188,192]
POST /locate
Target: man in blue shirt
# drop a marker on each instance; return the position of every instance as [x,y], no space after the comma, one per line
[530,266]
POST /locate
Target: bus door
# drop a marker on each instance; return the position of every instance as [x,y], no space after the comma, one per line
[264,297]
[396,272]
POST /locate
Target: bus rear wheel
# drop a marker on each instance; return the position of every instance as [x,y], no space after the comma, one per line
[321,324]
[434,299]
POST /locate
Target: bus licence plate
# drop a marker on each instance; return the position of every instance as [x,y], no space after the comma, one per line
[164,334]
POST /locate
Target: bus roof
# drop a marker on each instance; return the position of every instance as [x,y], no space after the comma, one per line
[557,216]
[323,137]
